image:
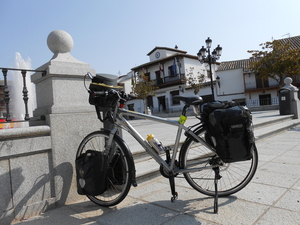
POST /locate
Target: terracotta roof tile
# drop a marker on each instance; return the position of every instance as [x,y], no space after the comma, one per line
[236,64]
[244,63]
[295,41]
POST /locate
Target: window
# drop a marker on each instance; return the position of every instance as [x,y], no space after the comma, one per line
[174,102]
[150,101]
[172,71]
[261,82]
[159,80]
[147,75]
[265,99]
[162,104]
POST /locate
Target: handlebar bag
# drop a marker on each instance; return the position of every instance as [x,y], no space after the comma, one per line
[231,133]
[101,100]
[107,100]
[91,173]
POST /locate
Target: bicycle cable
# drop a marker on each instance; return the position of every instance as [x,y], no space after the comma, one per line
[85,84]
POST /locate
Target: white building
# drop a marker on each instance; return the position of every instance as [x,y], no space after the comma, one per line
[239,84]
[169,69]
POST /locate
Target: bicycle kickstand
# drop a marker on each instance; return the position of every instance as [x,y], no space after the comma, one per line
[172,185]
[217,177]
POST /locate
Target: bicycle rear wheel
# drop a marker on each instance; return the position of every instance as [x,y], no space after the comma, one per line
[235,176]
[119,180]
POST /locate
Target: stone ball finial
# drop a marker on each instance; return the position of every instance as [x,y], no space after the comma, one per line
[60,41]
[288,80]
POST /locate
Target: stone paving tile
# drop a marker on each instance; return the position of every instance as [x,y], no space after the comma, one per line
[184,219]
[279,216]
[294,152]
[284,159]
[290,200]
[187,199]
[148,188]
[265,158]
[297,185]
[281,168]
[272,197]
[261,193]
[138,213]
[65,215]
[90,210]
[279,146]
[234,211]
[296,148]
[270,151]
[274,178]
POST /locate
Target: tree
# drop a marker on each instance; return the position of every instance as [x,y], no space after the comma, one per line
[142,87]
[195,82]
[277,60]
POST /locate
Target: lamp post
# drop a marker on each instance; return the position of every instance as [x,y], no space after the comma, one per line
[210,58]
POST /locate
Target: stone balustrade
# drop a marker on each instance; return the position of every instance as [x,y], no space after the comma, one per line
[37,163]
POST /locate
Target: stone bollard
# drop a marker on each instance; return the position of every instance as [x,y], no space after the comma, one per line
[63,101]
[289,102]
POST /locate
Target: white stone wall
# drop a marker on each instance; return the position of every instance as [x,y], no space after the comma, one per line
[26,173]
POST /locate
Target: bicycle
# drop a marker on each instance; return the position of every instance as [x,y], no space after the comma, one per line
[197,159]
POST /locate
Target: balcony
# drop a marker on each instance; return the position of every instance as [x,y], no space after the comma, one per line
[262,102]
[170,81]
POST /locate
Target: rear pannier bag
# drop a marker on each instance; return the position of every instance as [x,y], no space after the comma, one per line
[116,171]
[230,131]
[91,173]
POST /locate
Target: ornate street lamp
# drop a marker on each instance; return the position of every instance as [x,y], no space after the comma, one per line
[210,58]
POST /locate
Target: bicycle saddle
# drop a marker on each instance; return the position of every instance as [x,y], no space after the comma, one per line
[194,100]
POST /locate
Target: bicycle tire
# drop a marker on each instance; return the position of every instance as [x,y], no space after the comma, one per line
[117,190]
[235,176]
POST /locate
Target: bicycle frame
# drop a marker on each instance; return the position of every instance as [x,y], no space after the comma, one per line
[120,121]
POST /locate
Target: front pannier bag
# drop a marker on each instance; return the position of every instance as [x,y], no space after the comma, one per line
[103,83]
[104,101]
[91,173]
[230,132]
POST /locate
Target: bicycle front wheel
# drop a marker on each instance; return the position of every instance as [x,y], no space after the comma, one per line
[119,180]
[235,176]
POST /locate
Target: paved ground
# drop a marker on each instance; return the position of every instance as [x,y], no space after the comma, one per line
[272,197]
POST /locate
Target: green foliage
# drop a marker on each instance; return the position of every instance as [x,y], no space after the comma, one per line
[143,88]
[276,60]
[195,82]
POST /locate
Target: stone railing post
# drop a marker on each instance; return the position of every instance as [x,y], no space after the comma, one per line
[63,101]
[291,103]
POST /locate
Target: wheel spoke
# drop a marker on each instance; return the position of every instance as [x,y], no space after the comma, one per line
[235,176]
[119,178]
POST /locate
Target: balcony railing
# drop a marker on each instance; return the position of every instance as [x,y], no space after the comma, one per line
[5,93]
[261,102]
[165,81]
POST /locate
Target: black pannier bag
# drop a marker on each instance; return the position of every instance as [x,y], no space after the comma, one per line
[229,130]
[91,173]
[103,101]
[116,172]
[103,83]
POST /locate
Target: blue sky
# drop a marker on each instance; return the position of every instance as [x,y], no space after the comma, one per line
[115,36]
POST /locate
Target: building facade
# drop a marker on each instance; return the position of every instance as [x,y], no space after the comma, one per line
[239,84]
[172,71]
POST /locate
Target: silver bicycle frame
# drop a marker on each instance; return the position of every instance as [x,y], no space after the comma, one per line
[120,121]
